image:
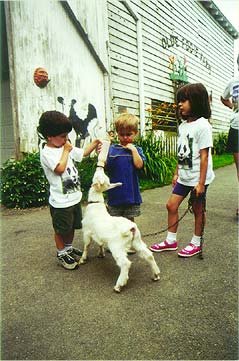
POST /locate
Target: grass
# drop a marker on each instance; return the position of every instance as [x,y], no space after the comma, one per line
[146,184]
[222,160]
[218,162]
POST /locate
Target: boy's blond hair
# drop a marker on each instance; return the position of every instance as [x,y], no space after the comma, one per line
[127,121]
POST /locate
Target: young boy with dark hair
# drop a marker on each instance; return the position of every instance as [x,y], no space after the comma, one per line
[57,159]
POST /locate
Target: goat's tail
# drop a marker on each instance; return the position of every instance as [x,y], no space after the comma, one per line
[133,231]
[129,232]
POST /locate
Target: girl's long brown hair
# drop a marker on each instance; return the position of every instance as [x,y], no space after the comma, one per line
[198,97]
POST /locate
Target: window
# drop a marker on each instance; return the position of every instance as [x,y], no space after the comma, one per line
[163,115]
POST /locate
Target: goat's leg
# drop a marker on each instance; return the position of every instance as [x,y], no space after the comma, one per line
[147,255]
[101,253]
[86,240]
[124,265]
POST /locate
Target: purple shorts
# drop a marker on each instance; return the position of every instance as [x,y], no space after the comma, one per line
[182,190]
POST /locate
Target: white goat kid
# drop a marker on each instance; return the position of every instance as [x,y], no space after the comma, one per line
[117,233]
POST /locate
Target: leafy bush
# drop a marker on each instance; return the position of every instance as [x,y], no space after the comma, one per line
[23,184]
[220,143]
[86,170]
[158,167]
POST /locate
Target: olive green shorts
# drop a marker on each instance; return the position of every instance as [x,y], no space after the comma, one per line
[64,220]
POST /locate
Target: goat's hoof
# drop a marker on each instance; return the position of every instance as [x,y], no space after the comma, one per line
[156,277]
[117,289]
[82,261]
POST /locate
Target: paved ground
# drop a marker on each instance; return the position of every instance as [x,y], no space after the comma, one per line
[49,313]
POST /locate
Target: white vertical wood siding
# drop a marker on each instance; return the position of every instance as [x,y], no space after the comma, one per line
[207,47]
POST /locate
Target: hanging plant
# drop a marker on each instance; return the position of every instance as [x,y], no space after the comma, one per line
[178,67]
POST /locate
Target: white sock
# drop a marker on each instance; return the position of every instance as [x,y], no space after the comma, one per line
[171,238]
[196,240]
[68,247]
[60,252]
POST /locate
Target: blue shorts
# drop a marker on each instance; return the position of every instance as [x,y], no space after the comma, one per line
[182,190]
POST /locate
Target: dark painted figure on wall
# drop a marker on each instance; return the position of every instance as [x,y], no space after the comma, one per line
[81,126]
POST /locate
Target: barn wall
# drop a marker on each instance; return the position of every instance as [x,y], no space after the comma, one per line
[42,34]
[84,44]
[182,28]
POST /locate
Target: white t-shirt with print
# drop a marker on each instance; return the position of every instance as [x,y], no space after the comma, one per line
[192,137]
[65,189]
[232,91]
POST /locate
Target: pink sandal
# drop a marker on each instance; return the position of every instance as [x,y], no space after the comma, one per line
[190,250]
[166,247]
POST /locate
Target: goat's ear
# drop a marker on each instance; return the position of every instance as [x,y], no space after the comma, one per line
[113,185]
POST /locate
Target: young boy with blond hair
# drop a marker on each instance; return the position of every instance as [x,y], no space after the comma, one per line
[123,162]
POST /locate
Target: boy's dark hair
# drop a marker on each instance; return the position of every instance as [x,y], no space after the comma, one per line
[53,123]
[198,97]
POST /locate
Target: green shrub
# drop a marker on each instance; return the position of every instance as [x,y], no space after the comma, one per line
[220,143]
[86,170]
[23,184]
[158,167]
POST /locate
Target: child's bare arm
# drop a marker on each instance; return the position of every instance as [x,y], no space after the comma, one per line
[175,177]
[203,171]
[61,166]
[227,102]
[91,147]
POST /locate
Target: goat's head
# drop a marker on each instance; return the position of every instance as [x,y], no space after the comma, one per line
[101,182]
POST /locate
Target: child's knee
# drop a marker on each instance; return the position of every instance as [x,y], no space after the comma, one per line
[171,207]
